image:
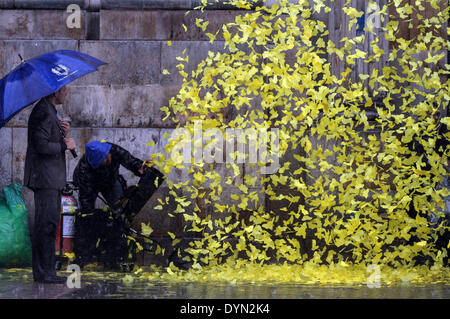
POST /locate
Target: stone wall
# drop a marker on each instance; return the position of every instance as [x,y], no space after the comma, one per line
[121,102]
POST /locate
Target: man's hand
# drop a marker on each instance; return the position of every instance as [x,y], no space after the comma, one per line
[70,143]
[65,126]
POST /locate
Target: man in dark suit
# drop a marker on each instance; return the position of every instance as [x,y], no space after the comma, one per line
[45,175]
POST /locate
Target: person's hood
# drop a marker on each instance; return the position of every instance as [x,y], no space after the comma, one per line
[96,152]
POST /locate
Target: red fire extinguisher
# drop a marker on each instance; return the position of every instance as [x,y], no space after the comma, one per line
[66,228]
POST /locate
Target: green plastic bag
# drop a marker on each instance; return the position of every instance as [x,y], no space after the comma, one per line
[15,244]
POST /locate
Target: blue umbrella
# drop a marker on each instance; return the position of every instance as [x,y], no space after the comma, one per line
[41,76]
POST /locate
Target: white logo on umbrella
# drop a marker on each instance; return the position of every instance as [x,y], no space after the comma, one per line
[61,70]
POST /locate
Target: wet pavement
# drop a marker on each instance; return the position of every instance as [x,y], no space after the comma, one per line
[19,284]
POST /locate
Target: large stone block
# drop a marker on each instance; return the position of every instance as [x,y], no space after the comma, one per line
[19,151]
[16,24]
[5,4]
[138,106]
[117,106]
[56,24]
[10,50]
[197,51]
[216,19]
[164,24]
[21,118]
[133,25]
[177,174]
[6,158]
[129,62]
[115,4]
[168,92]
[48,4]
[140,4]
[136,141]
[89,106]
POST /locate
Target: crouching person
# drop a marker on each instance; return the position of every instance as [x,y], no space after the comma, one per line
[103,234]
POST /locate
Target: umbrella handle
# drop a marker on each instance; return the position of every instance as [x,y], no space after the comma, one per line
[74,153]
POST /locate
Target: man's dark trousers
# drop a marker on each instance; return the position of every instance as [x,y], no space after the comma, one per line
[47,214]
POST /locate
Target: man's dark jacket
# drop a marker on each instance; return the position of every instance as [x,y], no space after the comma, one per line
[45,164]
[91,181]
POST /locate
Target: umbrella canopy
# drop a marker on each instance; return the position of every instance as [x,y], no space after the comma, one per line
[41,76]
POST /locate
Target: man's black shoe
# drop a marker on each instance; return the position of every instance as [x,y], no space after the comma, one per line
[53,280]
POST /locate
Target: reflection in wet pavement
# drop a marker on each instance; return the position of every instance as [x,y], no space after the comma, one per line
[19,283]
[280,291]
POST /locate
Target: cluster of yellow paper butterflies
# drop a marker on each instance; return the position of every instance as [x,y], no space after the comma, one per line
[361,163]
